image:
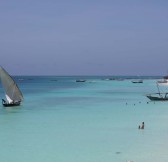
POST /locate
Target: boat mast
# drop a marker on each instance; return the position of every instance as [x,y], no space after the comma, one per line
[158,88]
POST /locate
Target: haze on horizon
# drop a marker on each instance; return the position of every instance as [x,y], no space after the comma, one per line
[91,37]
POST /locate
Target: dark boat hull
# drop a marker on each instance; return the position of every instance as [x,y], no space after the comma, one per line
[5,104]
[11,105]
[154,98]
[137,81]
[80,80]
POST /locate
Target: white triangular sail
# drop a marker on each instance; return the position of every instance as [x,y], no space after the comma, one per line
[8,99]
[12,92]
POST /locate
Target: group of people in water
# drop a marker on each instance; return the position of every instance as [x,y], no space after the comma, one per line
[142,126]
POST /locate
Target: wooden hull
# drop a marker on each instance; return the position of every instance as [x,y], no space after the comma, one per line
[5,104]
[11,105]
[154,98]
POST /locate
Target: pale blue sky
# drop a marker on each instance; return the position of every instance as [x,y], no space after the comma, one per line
[90,37]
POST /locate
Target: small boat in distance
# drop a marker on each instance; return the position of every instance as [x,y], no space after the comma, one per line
[164,80]
[137,81]
[158,96]
[13,94]
[80,80]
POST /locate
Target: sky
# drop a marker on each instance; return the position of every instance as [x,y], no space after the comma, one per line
[84,37]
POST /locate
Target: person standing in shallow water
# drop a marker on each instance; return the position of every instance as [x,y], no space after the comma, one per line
[142,126]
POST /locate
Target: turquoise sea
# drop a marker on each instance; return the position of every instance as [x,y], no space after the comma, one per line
[62,120]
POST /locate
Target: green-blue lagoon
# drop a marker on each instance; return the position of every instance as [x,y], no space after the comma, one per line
[62,120]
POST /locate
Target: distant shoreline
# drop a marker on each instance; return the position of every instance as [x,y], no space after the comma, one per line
[94,76]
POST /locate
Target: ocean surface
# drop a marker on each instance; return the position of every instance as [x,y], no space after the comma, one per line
[62,120]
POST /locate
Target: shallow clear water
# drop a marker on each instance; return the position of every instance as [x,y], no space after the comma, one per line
[65,121]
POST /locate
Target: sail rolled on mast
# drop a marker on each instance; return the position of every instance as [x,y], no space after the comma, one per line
[11,89]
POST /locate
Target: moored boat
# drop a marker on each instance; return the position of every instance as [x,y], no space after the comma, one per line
[137,81]
[13,94]
[80,80]
[158,96]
